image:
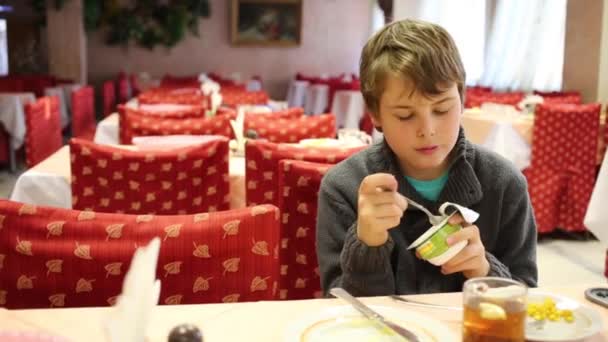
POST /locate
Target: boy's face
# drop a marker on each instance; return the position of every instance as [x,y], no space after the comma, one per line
[421,130]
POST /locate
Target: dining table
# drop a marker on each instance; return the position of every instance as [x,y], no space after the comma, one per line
[259,321]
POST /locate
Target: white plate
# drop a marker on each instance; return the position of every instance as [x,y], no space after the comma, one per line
[344,323]
[587,321]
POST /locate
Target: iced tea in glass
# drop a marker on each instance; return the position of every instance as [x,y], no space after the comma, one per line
[494,310]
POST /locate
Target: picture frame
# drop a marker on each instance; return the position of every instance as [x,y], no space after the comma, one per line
[266,22]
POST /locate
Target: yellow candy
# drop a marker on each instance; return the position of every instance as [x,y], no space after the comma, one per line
[547,309]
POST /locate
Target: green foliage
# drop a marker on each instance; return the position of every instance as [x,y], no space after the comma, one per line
[147,23]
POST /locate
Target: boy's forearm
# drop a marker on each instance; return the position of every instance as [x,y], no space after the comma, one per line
[367,271]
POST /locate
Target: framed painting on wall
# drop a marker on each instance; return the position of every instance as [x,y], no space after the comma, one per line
[266,22]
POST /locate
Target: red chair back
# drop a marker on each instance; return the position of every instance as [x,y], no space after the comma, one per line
[83,113]
[178,181]
[299,184]
[109,98]
[43,129]
[263,165]
[53,257]
[132,124]
[292,130]
[563,166]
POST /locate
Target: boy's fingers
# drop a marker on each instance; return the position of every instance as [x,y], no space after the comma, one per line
[470,233]
[383,181]
[456,219]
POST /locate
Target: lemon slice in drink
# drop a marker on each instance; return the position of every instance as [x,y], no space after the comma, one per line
[492,312]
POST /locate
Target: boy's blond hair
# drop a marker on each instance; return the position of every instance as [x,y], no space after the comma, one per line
[418,50]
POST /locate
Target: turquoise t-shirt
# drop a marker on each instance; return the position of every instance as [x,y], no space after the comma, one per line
[430,189]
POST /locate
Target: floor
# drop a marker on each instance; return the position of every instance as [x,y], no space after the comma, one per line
[560,261]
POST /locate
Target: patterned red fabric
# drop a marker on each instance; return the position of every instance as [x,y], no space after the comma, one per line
[43,129]
[191,112]
[292,130]
[477,99]
[83,113]
[290,113]
[565,99]
[562,171]
[53,257]
[299,184]
[179,181]
[109,98]
[185,96]
[263,161]
[235,98]
[133,125]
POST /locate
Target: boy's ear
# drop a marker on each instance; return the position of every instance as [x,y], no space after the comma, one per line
[376,121]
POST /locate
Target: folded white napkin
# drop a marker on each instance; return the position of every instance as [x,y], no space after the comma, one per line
[209,87]
[129,318]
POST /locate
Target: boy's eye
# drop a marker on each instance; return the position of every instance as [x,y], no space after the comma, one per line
[404,117]
[441,110]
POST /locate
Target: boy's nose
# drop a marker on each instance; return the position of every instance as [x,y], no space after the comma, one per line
[426,128]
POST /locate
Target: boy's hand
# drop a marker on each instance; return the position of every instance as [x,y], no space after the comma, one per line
[380,208]
[471,260]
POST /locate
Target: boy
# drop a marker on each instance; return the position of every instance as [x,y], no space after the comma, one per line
[413,83]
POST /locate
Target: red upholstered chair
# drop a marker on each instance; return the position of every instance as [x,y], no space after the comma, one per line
[132,125]
[299,184]
[54,257]
[83,113]
[477,99]
[290,113]
[43,129]
[122,84]
[109,98]
[185,96]
[557,97]
[238,97]
[562,171]
[178,181]
[262,159]
[178,111]
[170,81]
[292,130]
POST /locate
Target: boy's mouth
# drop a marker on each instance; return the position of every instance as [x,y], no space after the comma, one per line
[427,149]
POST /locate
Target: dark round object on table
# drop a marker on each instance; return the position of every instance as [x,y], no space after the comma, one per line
[251,134]
[185,333]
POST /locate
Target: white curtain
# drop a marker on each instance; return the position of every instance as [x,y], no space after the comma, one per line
[377,21]
[465,20]
[526,45]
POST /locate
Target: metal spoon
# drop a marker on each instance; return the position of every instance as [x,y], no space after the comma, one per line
[434,219]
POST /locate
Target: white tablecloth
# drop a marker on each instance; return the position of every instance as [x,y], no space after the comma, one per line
[12,115]
[107,131]
[348,107]
[296,94]
[48,182]
[317,98]
[63,103]
[67,92]
[596,219]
